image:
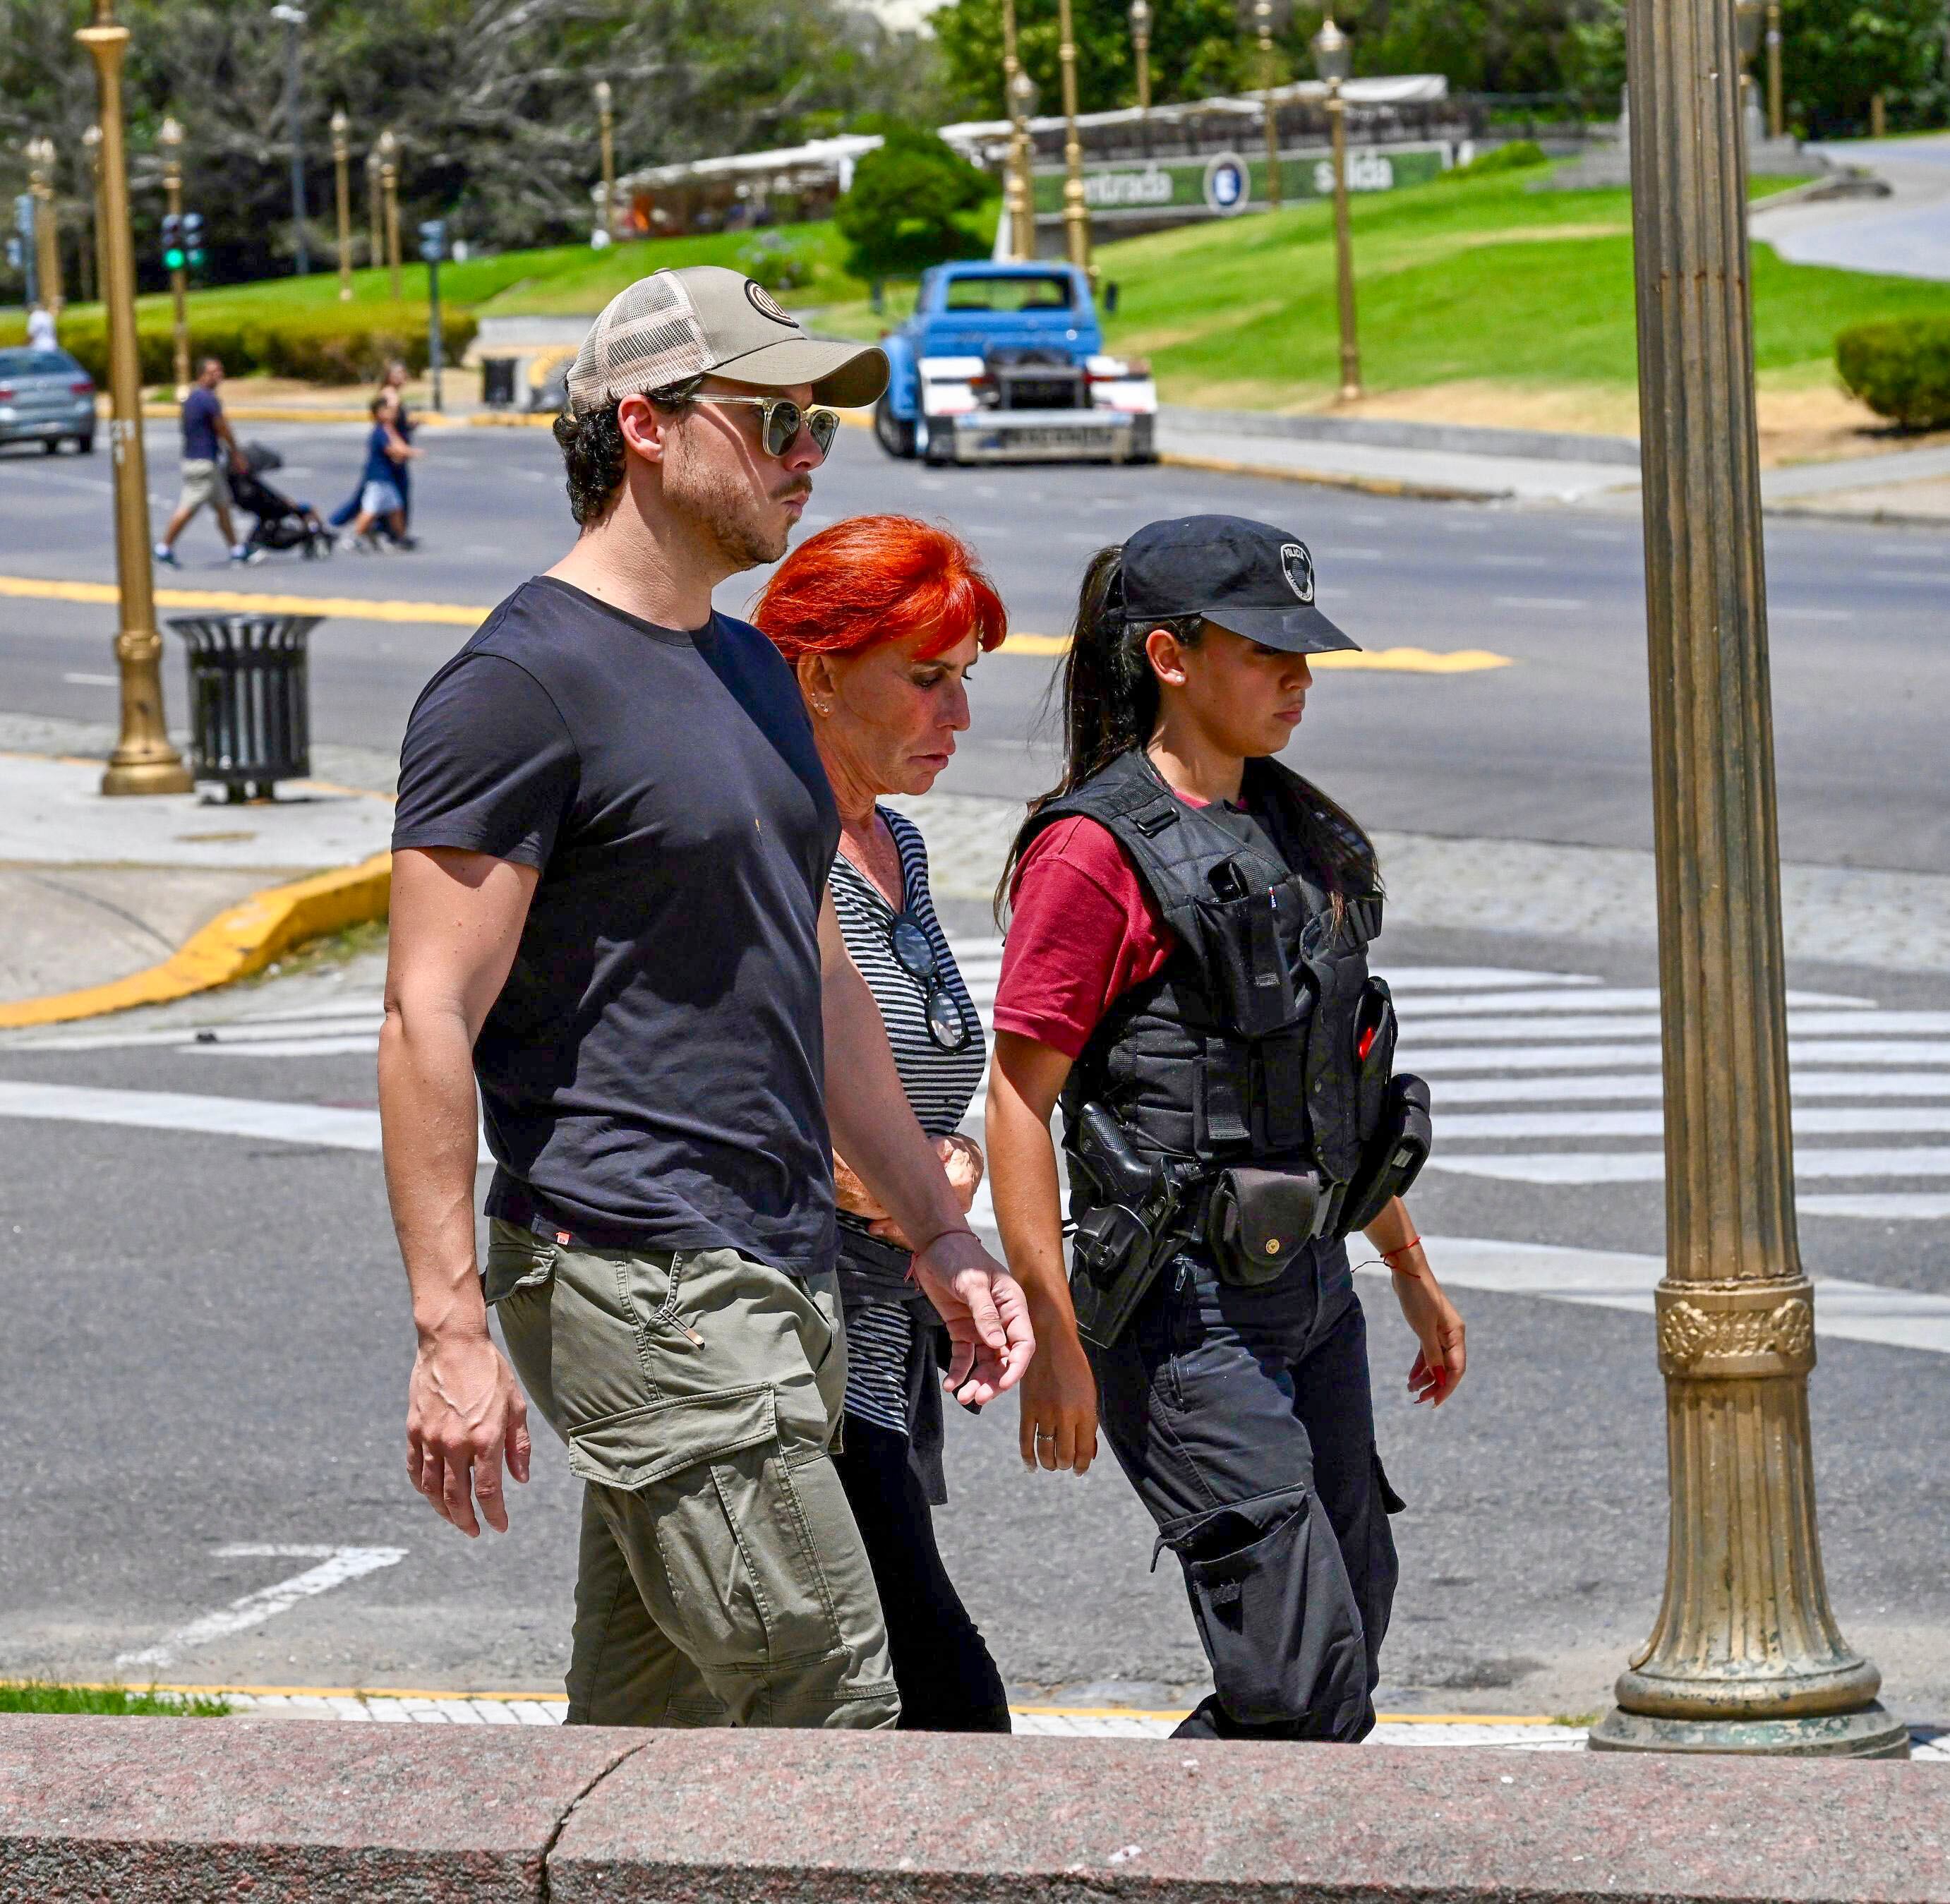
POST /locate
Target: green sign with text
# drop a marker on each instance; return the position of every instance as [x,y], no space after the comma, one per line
[1220,184]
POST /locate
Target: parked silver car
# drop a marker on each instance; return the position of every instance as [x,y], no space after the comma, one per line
[46,398]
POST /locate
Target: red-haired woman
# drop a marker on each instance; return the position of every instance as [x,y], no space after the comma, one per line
[883,618]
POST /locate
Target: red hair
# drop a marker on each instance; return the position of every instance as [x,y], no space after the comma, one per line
[876,578]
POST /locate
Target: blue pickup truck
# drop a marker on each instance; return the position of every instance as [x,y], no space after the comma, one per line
[1005,363]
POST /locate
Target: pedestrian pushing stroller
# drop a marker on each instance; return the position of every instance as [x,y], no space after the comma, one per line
[280,523]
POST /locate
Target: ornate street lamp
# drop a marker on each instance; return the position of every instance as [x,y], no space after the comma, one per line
[389,190]
[143,762]
[1747,15]
[1334,59]
[170,137]
[41,161]
[1023,97]
[1076,212]
[1776,128]
[605,121]
[1140,42]
[293,20]
[341,155]
[1745,1655]
[90,144]
[1262,14]
[375,213]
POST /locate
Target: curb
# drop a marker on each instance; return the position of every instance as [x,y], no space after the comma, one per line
[233,945]
[1396,486]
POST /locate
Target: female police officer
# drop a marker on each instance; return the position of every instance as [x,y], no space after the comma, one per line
[1186,971]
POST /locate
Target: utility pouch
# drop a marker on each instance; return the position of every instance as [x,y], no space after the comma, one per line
[1392,1159]
[1254,983]
[1258,1220]
[1374,1032]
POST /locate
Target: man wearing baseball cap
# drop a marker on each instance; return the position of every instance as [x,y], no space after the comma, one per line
[609,915]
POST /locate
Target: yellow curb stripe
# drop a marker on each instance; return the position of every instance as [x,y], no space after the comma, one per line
[559,1699]
[240,602]
[353,608]
[234,944]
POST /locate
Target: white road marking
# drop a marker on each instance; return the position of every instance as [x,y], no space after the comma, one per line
[1812,614]
[286,1124]
[1649,1166]
[1619,998]
[1648,1086]
[337,1565]
[1845,1121]
[1456,1027]
[1844,1311]
[90,681]
[1474,978]
[1553,1058]
[291,1047]
[1891,1206]
[1555,604]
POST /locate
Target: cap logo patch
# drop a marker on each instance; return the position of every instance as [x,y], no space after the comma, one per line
[1297,565]
[762,301]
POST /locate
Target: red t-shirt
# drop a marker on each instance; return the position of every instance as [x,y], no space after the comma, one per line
[1082,931]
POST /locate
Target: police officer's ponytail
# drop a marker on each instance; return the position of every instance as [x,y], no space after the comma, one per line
[1109,697]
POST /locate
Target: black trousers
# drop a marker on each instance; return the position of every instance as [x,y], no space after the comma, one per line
[946,1679]
[1244,1419]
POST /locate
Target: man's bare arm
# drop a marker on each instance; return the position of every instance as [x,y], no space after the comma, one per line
[457,921]
[875,1130]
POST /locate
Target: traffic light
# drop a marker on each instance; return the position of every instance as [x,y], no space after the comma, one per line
[173,258]
[433,240]
[192,239]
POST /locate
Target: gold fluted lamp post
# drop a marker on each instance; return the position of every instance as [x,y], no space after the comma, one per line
[341,161]
[1018,190]
[143,762]
[91,143]
[1141,45]
[1076,210]
[41,160]
[1334,59]
[605,124]
[1776,126]
[1745,1655]
[375,213]
[389,191]
[1263,16]
[170,137]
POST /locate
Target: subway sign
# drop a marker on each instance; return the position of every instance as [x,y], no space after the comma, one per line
[1216,186]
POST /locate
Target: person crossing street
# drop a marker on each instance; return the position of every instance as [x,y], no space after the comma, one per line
[210,456]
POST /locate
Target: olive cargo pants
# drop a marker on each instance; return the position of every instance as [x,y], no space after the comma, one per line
[722,1580]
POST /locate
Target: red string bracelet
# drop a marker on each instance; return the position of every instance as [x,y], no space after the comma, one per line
[1388,1257]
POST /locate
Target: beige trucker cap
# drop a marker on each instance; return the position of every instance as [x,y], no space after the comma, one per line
[676,325]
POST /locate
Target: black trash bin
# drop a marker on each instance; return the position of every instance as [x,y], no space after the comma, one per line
[249,699]
[497,382]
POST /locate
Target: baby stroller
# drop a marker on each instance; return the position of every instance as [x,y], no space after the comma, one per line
[281,523]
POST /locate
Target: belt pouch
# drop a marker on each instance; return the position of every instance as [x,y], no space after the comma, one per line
[1259,1220]
[1393,1158]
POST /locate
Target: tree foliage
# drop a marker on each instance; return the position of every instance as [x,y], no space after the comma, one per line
[908,206]
[490,100]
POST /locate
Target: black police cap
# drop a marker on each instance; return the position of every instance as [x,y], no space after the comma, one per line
[1249,577]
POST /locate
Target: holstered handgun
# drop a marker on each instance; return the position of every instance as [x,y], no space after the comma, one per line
[1123,1241]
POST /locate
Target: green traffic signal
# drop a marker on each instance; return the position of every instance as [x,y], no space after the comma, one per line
[174,258]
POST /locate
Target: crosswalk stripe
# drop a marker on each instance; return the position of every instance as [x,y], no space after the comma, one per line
[1607,999]
[1649,1085]
[1649,1166]
[1847,1120]
[1473,1058]
[1846,1311]
[288,1123]
[319,1047]
[1859,1023]
[1879,1206]
[1474,978]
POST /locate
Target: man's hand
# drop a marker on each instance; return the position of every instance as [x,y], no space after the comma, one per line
[986,1315]
[960,1159]
[466,1415]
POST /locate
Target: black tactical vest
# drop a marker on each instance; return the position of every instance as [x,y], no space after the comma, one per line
[1262,1040]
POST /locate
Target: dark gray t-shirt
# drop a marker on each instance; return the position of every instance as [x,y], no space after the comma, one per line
[652,1075]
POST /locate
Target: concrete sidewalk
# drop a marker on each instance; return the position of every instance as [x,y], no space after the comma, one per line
[95,890]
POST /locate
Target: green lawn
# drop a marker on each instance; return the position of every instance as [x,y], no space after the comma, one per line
[113,1702]
[1478,280]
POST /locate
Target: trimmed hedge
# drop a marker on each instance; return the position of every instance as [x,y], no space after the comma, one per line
[330,349]
[1518,155]
[1900,368]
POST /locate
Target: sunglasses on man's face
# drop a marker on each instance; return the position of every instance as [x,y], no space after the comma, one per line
[780,420]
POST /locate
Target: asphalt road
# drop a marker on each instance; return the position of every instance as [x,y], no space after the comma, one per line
[1555,747]
[208,1347]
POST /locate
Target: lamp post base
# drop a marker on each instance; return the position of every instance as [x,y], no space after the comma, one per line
[1869,1734]
[161,774]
